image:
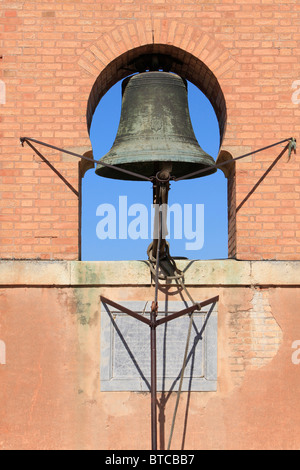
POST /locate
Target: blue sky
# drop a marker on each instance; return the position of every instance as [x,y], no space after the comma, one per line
[209,191]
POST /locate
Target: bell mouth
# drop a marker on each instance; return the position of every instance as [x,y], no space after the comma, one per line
[150,169]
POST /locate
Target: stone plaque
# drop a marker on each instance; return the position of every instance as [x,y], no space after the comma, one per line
[125,349]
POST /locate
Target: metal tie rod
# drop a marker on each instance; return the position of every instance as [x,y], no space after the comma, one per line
[121,170]
[153,323]
[292,146]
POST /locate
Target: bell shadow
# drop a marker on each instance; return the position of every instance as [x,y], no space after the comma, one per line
[166,394]
[198,337]
[131,355]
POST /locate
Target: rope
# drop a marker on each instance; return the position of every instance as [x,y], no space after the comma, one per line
[169,271]
[167,267]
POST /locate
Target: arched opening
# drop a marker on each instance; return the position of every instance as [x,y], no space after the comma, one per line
[171,59]
[106,201]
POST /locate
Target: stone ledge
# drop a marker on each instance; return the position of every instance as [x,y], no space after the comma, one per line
[99,273]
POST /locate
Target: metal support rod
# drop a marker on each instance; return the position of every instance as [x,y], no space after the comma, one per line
[125,310]
[153,320]
[292,146]
[153,377]
[219,165]
[154,323]
[53,169]
[186,311]
[83,157]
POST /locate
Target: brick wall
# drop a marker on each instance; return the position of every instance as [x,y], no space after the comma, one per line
[58,58]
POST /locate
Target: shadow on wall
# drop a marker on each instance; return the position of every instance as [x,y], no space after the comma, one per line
[125,354]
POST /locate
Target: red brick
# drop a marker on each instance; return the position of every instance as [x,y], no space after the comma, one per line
[251,48]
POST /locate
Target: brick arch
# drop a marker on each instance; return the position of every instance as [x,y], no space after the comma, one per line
[194,55]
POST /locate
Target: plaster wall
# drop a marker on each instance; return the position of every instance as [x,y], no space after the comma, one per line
[50,383]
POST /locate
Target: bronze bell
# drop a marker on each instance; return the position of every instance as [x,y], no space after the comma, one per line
[155,128]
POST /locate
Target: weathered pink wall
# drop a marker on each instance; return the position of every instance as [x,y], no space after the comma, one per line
[50,385]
